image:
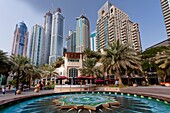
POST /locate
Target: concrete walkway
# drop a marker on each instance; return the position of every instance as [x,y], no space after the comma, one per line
[10,96]
[162,90]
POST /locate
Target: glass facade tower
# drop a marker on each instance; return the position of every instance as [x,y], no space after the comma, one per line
[82,33]
[93,41]
[56,49]
[36,42]
[20,40]
[46,44]
[71,41]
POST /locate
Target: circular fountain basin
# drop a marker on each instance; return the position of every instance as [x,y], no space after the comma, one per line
[128,104]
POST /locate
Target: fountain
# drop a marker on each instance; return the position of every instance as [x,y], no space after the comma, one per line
[88,102]
[85,101]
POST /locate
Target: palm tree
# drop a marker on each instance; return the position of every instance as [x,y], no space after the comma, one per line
[19,63]
[91,54]
[89,68]
[87,53]
[28,69]
[119,57]
[32,73]
[6,71]
[5,66]
[47,70]
[3,61]
[163,61]
[36,73]
[58,62]
[105,66]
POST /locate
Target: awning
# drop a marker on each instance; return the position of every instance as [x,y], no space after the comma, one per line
[81,77]
[90,77]
[99,80]
[61,77]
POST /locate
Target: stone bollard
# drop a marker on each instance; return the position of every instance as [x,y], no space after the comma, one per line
[135,85]
[18,92]
[36,90]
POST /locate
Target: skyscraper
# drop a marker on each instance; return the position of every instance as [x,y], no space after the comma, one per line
[68,40]
[20,40]
[93,41]
[166,13]
[46,38]
[71,41]
[82,33]
[36,41]
[114,24]
[56,49]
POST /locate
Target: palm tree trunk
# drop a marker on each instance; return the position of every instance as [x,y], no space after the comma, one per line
[105,74]
[90,80]
[17,85]
[127,77]
[128,81]
[120,79]
[29,81]
[6,76]
[165,71]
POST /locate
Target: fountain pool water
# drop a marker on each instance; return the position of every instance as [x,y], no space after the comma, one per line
[128,104]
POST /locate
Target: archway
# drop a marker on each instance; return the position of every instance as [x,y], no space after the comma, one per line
[73,72]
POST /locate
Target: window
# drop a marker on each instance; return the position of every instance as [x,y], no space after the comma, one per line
[73,72]
[54,26]
[22,39]
[73,60]
[60,27]
[111,10]
[21,49]
[103,12]
[59,45]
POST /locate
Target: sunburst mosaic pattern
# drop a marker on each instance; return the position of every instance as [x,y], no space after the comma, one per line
[86,101]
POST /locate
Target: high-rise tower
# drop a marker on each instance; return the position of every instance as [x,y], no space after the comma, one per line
[20,40]
[56,49]
[71,41]
[46,38]
[82,33]
[114,24]
[36,42]
[166,13]
[93,41]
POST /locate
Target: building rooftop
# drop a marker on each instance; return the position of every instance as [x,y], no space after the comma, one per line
[48,13]
[162,43]
[22,24]
[72,55]
[82,16]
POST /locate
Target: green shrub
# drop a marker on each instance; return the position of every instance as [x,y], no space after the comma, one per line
[121,86]
[13,82]
[52,86]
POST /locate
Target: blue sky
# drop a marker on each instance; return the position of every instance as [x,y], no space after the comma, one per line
[147,13]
